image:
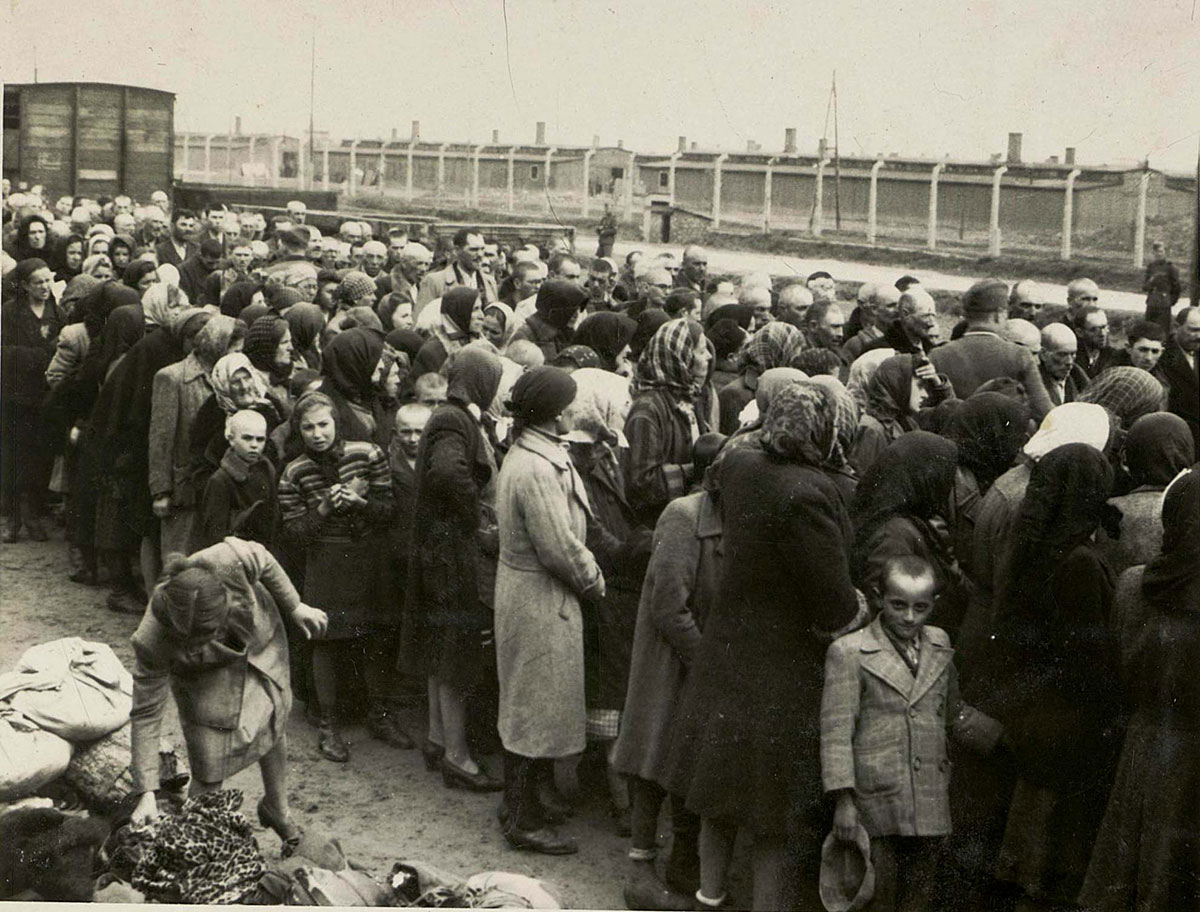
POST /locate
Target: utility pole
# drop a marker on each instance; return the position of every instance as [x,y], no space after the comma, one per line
[837,162]
[1196,240]
[312,91]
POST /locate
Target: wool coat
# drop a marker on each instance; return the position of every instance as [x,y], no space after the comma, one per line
[1183,397]
[681,584]
[434,285]
[746,743]
[72,348]
[233,701]
[659,463]
[883,730]
[545,569]
[1141,529]
[979,357]
[178,392]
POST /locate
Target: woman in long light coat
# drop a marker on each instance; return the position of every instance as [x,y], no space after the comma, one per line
[544,570]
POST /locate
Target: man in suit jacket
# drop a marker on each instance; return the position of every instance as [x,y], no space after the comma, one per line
[464,270]
[982,354]
[180,244]
[1180,365]
[1064,379]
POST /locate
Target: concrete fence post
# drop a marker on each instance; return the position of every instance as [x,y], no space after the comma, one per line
[768,180]
[994,220]
[208,158]
[671,176]
[250,149]
[187,157]
[325,164]
[382,167]
[408,176]
[629,178]
[512,188]
[931,239]
[716,203]
[873,202]
[587,177]
[818,220]
[475,177]
[353,179]
[546,177]
[441,171]
[1139,224]
[1068,214]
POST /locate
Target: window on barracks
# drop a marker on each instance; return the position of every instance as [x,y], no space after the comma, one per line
[535,172]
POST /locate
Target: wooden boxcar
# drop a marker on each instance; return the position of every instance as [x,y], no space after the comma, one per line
[89,138]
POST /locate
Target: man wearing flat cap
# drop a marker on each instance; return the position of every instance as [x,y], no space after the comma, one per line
[982,354]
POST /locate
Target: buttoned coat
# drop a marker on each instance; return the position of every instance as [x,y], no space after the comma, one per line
[883,730]
[179,391]
[980,356]
[681,583]
[233,704]
[544,570]
[434,285]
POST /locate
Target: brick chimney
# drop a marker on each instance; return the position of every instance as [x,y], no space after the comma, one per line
[683,144]
[595,140]
[620,144]
[1069,158]
[541,133]
[495,137]
[789,141]
[1014,148]
[237,126]
[416,131]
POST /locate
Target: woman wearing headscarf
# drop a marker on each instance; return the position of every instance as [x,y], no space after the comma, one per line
[895,396]
[70,258]
[306,322]
[559,302]
[1055,666]
[772,346]
[862,369]
[335,502]
[32,240]
[670,411]
[989,429]
[178,392]
[239,296]
[161,302]
[77,289]
[648,323]
[29,326]
[461,322]
[1158,447]
[1127,392]
[845,424]
[545,571]
[213,636]
[901,507]
[1145,856]
[744,750]
[98,267]
[499,324]
[450,577]
[119,443]
[595,419]
[269,348]
[608,334]
[120,251]
[348,366]
[236,386]
[140,275]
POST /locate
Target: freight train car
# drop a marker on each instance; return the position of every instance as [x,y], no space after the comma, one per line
[89,138]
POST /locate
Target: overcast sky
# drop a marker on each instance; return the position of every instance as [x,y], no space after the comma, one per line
[1118,80]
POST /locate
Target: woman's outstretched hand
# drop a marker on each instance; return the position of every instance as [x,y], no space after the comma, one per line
[311,621]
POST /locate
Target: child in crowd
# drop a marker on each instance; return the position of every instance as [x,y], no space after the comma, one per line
[240,498]
[402,460]
[429,390]
[891,695]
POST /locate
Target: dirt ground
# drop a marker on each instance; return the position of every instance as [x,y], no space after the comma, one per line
[383,805]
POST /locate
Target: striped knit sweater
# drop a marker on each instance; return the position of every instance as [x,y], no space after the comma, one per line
[307,479]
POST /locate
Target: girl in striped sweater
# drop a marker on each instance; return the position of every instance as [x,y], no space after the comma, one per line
[336,505]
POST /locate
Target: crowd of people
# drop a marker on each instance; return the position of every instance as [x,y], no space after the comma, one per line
[700,528]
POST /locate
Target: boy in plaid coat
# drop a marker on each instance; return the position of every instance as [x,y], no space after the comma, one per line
[890,696]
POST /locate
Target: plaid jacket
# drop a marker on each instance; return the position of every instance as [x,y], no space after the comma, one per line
[883,733]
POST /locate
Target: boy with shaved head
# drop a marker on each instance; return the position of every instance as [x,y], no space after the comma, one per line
[240,497]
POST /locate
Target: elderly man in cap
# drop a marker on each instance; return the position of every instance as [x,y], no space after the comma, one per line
[464,269]
[758,299]
[1064,379]
[160,199]
[878,307]
[982,354]
[298,211]
[405,279]
[1081,293]
[374,256]
[914,328]
[350,232]
[1024,334]
[793,304]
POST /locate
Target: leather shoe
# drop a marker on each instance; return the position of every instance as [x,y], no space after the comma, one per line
[382,726]
[647,893]
[331,745]
[454,777]
[544,840]
[288,831]
[552,818]
[433,754]
[554,804]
